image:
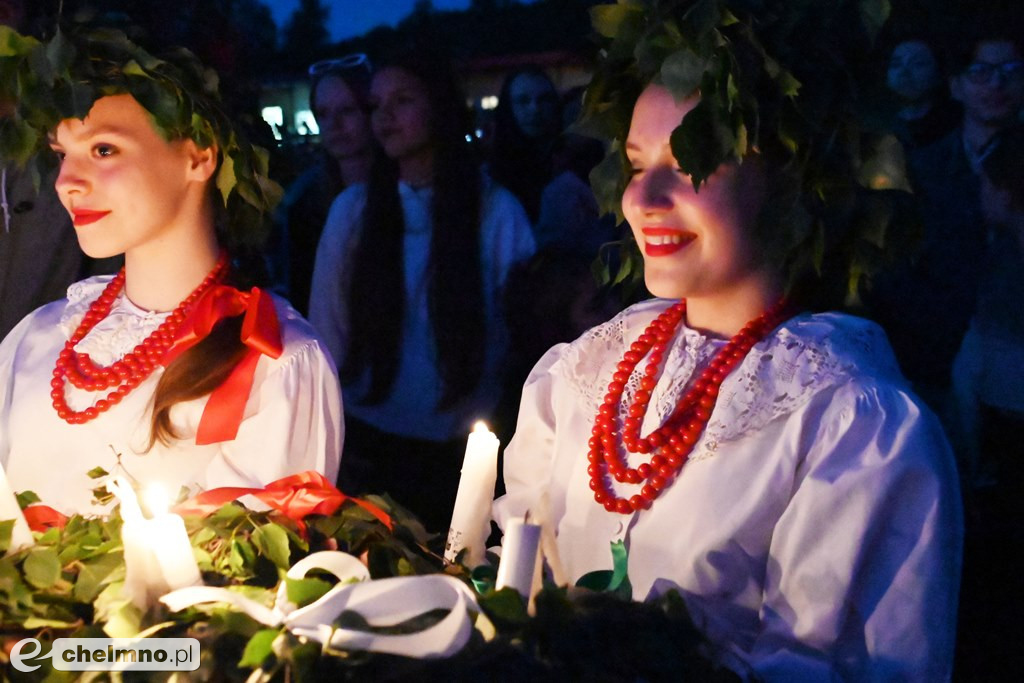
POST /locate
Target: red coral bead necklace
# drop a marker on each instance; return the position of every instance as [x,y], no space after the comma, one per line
[135,366]
[669,445]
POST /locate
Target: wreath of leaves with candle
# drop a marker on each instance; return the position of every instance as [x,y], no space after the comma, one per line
[774,76]
[69,585]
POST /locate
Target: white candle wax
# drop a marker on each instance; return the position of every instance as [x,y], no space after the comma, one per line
[471,518]
[173,551]
[168,542]
[157,553]
[21,535]
[519,556]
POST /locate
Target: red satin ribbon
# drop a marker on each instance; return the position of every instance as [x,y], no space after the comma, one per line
[296,496]
[261,332]
[42,517]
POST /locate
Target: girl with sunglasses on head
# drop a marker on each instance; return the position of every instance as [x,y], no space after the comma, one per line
[406,291]
[339,97]
[171,371]
[721,440]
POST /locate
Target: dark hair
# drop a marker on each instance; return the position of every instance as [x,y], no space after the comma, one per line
[455,291]
[518,162]
[357,78]
[983,27]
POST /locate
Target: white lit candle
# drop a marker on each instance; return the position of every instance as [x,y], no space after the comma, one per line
[157,554]
[21,535]
[519,556]
[471,518]
[169,542]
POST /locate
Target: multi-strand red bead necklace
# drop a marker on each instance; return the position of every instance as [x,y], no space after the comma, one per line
[670,444]
[128,372]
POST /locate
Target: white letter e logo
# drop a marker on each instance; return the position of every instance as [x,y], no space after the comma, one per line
[18,659]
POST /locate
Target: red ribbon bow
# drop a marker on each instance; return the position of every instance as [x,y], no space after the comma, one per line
[261,332]
[296,496]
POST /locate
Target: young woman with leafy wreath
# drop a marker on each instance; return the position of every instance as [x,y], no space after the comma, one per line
[169,371]
[406,291]
[767,461]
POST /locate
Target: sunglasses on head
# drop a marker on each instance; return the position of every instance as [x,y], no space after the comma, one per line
[352,61]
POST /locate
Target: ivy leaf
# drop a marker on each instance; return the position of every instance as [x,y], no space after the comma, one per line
[42,568]
[272,542]
[259,647]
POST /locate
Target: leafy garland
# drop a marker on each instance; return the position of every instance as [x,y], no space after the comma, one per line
[775,77]
[62,78]
[69,584]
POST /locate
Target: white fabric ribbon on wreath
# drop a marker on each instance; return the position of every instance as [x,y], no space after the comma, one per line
[382,603]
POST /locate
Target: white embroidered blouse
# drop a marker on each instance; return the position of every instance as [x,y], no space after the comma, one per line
[816,528]
[292,420]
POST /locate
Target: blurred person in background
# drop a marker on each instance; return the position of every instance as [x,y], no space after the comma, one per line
[527,122]
[338,96]
[914,75]
[407,291]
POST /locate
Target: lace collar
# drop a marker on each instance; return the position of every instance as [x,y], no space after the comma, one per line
[117,334]
[807,354]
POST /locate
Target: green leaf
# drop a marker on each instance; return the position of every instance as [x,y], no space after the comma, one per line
[874,14]
[95,574]
[272,542]
[42,568]
[96,473]
[13,44]
[505,607]
[305,591]
[259,648]
[226,178]
[6,531]
[26,498]
[611,20]
[682,71]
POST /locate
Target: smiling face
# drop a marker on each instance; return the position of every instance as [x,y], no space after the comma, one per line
[125,187]
[695,244]
[344,124]
[401,113]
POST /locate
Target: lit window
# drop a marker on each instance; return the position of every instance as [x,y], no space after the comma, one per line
[305,123]
[274,116]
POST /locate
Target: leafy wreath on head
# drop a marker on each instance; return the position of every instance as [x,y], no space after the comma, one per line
[61,78]
[774,77]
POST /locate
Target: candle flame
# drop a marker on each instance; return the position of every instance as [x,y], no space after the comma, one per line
[480,426]
[157,499]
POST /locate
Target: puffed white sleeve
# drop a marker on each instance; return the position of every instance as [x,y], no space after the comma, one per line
[328,306]
[8,352]
[529,455]
[293,422]
[864,563]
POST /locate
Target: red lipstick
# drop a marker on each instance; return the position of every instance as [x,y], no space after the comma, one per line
[85,217]
[660,241]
